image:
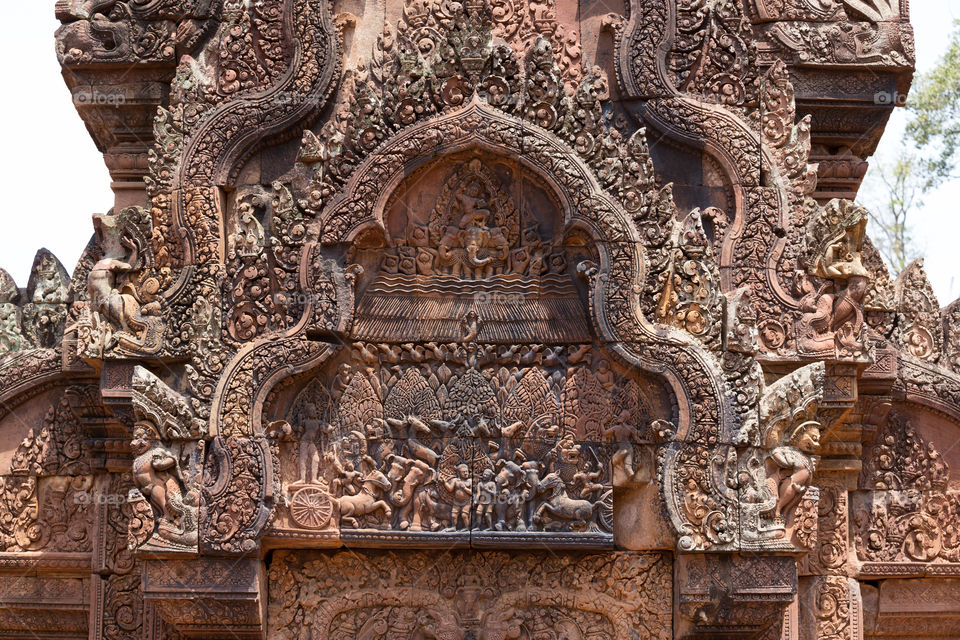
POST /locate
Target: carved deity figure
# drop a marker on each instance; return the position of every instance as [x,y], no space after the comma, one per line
[249,238]
[123,316]
[832,311]
[159,477]
[348,478]
[508,481]
[790,467]
[623,432]
[309,458]
[425,463]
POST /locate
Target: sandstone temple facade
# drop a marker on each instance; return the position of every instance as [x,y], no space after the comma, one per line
[481,319]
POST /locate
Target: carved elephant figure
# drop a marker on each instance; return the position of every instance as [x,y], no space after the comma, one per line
[407,477]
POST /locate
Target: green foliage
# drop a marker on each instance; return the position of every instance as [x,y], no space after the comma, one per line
[897,188]
[935,109]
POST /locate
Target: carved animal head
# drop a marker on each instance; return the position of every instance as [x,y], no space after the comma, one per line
[509,473]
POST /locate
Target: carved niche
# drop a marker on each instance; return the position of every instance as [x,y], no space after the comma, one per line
[475,403]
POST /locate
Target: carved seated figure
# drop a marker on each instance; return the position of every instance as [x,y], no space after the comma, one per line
[473,252]
[832,311]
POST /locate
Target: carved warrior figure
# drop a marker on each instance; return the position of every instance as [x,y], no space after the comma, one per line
[792,464]
[464,460]
[776,472]
[168,453]
[309,456]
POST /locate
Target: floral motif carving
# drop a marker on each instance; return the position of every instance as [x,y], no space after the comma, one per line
[911,514]
[490,595]
[690,286]
[713,52]
[56,448]
[835,610]
[901,459]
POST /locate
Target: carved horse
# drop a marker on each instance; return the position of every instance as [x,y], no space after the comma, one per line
[560,506]
[366,502]
[431,513]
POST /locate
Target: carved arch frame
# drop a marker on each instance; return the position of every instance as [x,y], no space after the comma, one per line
[706,415]
[645,43]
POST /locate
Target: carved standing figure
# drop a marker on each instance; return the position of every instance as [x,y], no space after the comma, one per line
[459,488]
[309,457]
[484,499]
[158,476]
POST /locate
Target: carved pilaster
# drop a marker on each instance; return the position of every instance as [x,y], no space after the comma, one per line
[208,597]
[732,596]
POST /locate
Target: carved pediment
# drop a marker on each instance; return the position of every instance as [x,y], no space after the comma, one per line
[476,252]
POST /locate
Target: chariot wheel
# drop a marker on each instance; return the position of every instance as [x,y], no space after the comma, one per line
[311,507]
[605,512]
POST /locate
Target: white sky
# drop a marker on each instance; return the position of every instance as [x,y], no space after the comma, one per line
[55,178]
